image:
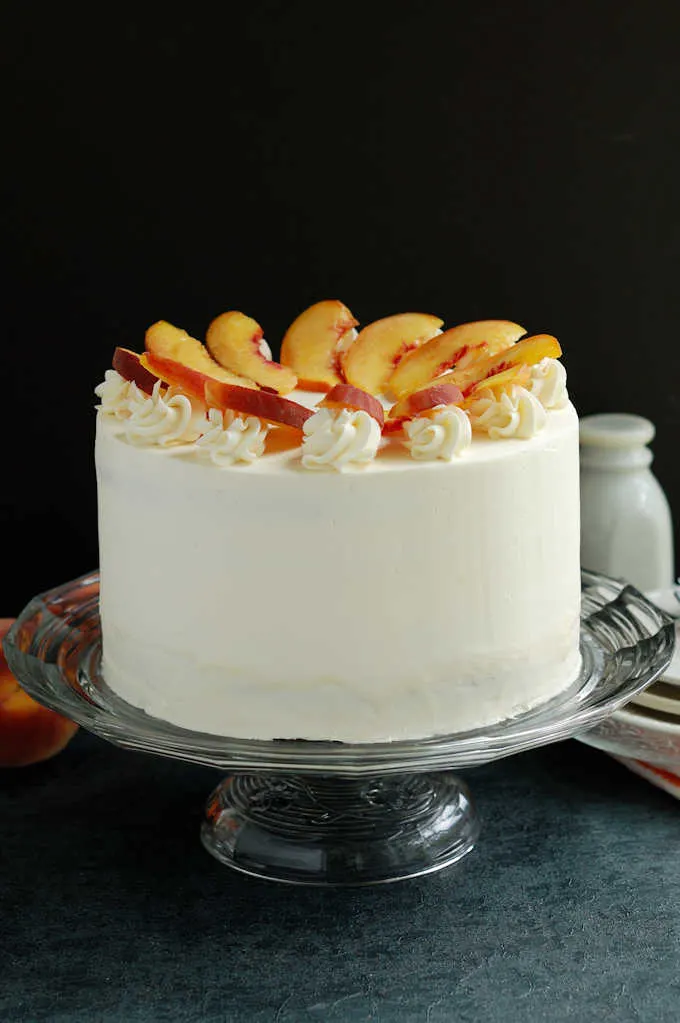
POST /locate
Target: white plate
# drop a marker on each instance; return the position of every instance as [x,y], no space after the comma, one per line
[669,601]
[663,696]
[640,734]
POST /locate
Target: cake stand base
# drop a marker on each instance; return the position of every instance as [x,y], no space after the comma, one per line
[329,830]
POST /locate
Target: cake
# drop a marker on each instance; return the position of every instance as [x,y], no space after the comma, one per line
[375,539]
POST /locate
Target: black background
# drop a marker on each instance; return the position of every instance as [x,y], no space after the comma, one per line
[517,160]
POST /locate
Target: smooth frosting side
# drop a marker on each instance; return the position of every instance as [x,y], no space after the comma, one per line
[357,606]
[482,692]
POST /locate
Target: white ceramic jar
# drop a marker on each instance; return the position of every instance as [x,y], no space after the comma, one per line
[626,526]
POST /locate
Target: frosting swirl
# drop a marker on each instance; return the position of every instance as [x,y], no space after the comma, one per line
[549,383]
[113,393]
[517,413]
[232,439]
[161,419]
[335,439]
[443,435]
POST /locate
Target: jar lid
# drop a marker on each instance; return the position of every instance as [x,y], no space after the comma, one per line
[616,430]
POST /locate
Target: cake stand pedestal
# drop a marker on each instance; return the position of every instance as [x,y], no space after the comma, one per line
[327,830]
[328,813]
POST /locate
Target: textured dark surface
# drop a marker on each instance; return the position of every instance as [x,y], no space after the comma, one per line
[110,909]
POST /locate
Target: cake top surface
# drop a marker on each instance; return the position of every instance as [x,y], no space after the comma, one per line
[401,391]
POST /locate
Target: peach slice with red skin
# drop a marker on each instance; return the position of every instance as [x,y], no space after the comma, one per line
[420,403]
[182,361]
[235,341]
[29,732]
[175,374]
[263,404]
[371,360]
[447,350]
[313,343]
[164,341]
[527,352]
[129,366]
[347,396]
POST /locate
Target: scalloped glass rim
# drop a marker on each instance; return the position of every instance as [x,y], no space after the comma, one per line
[54,650]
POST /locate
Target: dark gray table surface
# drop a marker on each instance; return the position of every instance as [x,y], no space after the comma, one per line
[110,910]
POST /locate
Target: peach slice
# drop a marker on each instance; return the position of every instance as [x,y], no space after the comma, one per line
[281,438]
[371,360]
[446,350]
[163,341]
[176,374]
[526,352]
[263,404]
[29,732]
[129,366]
[421,402]
[346,396]
[517,376]
[313,342]
[235,342]
[182,361]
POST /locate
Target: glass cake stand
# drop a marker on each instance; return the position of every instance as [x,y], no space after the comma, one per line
[327,813]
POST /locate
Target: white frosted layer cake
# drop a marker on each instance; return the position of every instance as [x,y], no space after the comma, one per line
[342,582]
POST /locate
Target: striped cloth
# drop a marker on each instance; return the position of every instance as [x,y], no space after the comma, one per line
[658,776]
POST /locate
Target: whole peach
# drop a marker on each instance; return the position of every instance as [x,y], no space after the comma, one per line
[29,732]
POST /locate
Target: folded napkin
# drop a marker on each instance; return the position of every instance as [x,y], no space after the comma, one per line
[658,776]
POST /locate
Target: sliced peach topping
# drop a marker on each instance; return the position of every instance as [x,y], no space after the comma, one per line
[29,732]
[371,360]
[313,342]
[347,396]
[263,404]
[515,376]
[420,403]
[281,438]
[527,352]
[182,361]
[129,365]
[447,350]
[235,341]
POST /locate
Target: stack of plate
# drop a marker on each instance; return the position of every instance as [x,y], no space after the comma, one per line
[647,729]
[664,696]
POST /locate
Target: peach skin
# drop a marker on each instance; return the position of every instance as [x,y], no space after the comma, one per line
[29,732]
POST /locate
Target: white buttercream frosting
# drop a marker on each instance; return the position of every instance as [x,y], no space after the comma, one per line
[230,439]
[415,599]
[162,419]
[515,413]
[549,383]
[113,393]
[336,439]
[446,433]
